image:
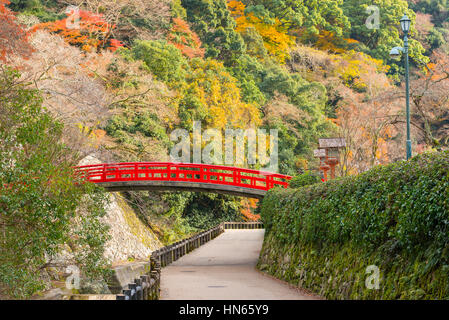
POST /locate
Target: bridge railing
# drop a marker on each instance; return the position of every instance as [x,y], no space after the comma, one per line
[189,172]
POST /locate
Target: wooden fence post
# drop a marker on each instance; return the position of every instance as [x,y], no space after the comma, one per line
[145,286]
[127,294]
[133,288]
[139,292]
[148,286]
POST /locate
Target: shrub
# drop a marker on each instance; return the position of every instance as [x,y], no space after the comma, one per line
[42,210]
[91,35]
[304,180]
[397,215]
[163,60]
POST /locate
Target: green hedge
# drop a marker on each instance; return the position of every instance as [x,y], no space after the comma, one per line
[394,216]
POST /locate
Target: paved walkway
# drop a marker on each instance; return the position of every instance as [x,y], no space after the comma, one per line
[224,269]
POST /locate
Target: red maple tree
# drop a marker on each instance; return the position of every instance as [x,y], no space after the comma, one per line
[13,39]
[185,39]
[88,30]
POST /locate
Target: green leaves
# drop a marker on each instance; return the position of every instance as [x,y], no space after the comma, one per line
[40,204]
[310,17]
[304,180]
[378,42]
[213,23]
[163,60]
[394,216]
[404,202]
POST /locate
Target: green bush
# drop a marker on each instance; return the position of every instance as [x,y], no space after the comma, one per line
[304,179]
[42,208]
[206,210]
[145,122]
[397,215]
[163,60]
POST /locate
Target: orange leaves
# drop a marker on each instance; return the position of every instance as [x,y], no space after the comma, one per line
[185,39]
[247,209]
[13,39]
[83,29]
[237,9]
[2,6]
[275,37]
[431,66]
[114,44]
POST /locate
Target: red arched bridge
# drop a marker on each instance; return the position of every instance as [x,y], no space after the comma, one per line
[182,177]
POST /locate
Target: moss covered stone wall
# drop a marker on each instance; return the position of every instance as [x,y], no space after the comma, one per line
[327,237]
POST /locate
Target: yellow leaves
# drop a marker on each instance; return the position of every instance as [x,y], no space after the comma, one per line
[218,92]
[326,42]
[388,133]
[93,135]
[275,37]
[302,163]
[382,150]
[356,68]
[86,48]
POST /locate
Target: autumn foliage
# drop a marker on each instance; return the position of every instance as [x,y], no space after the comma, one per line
[275,37]
[185,39]
[247,209]
[13,39]
[83,29]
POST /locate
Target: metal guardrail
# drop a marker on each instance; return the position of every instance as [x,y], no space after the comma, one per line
[173,252]
[168,254]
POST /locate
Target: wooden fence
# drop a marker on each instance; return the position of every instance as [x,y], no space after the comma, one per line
[147,287]
[173,252]
[242,225]
[166,255]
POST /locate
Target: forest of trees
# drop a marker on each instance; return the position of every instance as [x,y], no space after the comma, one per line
[116,77]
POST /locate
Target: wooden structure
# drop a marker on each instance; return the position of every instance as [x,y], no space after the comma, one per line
[329,154]
[147,287]
[182,177]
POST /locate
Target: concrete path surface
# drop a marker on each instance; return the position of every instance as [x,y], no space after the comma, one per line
[224,269]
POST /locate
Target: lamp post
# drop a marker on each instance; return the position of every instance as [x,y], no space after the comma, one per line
[395,53]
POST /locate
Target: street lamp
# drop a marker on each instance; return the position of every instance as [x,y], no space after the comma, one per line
[395,54]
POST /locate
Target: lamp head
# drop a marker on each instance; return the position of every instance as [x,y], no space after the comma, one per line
[405,24]
[395,53]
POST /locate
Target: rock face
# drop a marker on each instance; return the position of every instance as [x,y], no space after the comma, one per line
[130,238]
[125,274]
